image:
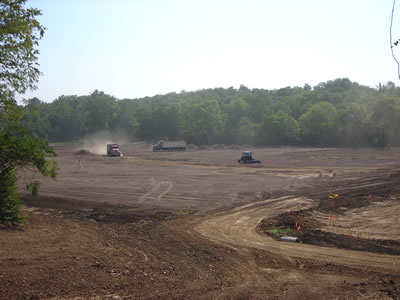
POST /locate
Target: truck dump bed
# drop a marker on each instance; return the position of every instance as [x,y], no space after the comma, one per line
[169,146]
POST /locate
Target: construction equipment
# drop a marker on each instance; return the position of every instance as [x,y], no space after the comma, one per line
[161,146]
[247,158]
[113,150]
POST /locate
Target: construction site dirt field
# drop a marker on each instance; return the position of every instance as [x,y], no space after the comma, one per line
[198,225]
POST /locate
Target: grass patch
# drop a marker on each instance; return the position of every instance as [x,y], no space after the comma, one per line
[184,212]
[278,232]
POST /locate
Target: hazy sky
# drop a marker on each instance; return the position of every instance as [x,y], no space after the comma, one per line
[137,48]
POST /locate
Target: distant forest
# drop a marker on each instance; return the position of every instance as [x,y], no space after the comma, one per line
[338,113]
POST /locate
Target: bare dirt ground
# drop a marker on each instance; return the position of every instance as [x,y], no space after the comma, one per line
[197,225]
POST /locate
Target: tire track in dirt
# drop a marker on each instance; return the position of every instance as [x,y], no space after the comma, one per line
[155,188]
[170,186]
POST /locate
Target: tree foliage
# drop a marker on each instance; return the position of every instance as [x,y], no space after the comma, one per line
[20,33]
[318,125]
[201,123]
[19,36]
[384,123]
[279,129]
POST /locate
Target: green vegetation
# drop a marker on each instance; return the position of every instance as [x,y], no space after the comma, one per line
[184,212]
[337,113]
[278,232]
[19,35]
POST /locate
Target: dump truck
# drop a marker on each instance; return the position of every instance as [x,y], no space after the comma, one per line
[247,158]
[113,150]
[169,146]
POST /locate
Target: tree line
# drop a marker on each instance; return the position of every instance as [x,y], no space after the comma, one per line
[336,113]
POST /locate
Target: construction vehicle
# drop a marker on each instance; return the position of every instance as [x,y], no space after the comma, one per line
[247,158]
[113,150]
[161,146]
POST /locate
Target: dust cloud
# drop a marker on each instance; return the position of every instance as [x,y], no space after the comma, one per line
[97,142]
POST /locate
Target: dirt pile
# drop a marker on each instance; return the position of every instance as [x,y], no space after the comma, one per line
[303,225]
[83,152]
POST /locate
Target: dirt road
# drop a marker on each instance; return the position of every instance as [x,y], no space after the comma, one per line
[184,225]
[238,228]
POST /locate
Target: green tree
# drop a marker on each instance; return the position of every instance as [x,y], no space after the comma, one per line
[19,35]
[247,131]
[201,123]
[145,125]
[126,121]
[351,125]
[102,108]
[234,113]
[318,125]
[20,32]
[279,129]
[258,102]
[35,119]
[171,120]
[384,123]
[68,117]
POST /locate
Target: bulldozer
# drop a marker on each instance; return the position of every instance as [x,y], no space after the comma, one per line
[247,158]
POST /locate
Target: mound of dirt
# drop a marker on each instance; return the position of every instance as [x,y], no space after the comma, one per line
[329,239]
[308,232]
[191,146]
[354,199]
[83,152]
[218,146]
[302,225]
[204,147]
